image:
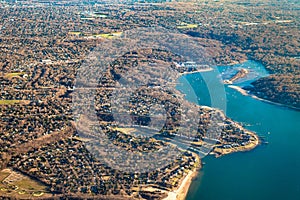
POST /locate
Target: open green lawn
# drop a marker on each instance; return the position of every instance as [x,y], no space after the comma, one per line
[15,74]
[30,185]
[3,175]
[23,185]
[9,102]
[109,35]
[186,26]
[74,33]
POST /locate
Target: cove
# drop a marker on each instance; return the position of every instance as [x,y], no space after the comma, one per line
[269,171]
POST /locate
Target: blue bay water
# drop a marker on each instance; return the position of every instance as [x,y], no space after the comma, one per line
[269,171]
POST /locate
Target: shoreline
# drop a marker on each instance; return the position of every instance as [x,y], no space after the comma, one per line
[218,152]
[181,191]
[245,93]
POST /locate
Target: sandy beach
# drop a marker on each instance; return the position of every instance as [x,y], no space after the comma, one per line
[245,92]
[241,90]
[181,192]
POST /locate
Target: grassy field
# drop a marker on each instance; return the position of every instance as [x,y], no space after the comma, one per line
[27,184]
[96,35]
[74,33]
[15,74]
[82,139]
[9,102]
[20,185]
[125,130]
[3,175]
[187,26]
[108,35]
[13,102]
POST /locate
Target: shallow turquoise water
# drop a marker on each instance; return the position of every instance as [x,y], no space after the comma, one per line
[268,172]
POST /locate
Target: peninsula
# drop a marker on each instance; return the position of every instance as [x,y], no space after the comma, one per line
[44,144]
